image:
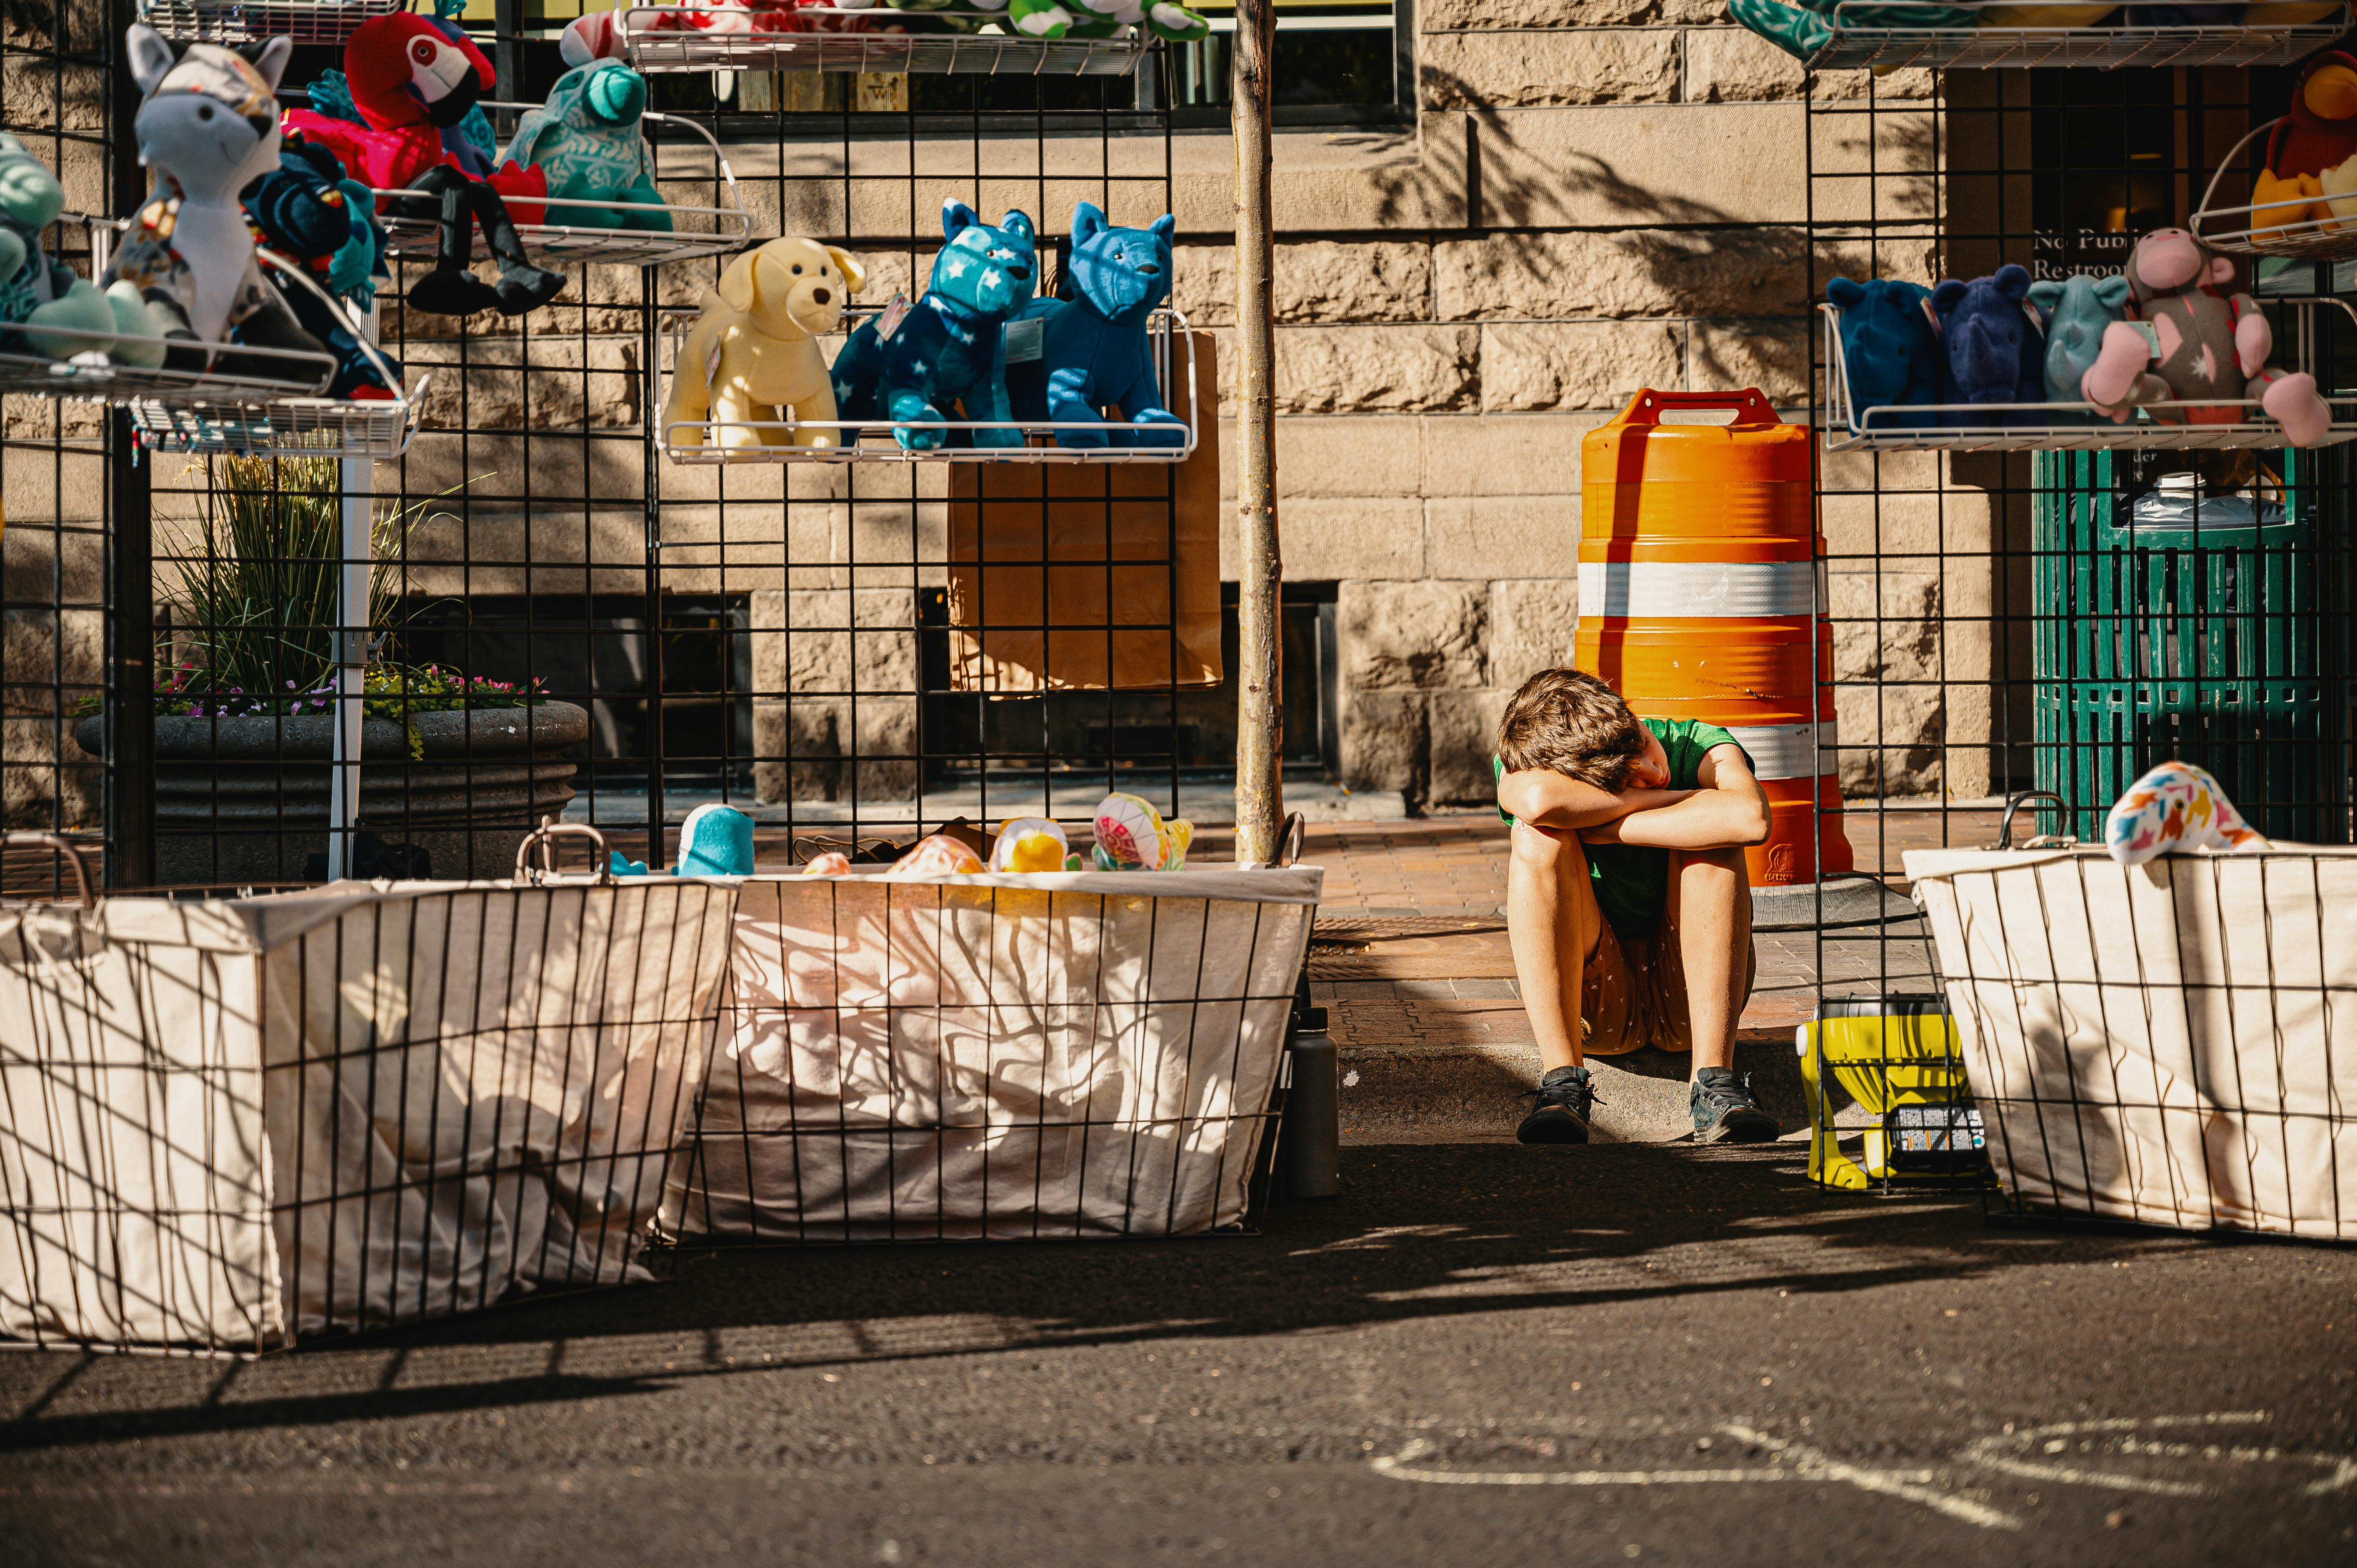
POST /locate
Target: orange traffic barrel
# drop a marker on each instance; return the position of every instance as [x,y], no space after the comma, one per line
[1698,600]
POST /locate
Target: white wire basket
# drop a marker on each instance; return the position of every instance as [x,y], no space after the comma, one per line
[687,441]
[696,231]
[232,1125]
[651,46]
[245,21]
[1878,428]
[2108,47]
[1055,1056]
[2251,230]
[80,378]
[287,426]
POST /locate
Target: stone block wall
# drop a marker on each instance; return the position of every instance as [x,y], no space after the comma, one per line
[1632,193]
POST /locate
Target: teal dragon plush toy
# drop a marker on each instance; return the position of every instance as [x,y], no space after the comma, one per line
[585,138]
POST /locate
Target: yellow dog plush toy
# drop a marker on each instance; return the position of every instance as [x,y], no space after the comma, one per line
[752,357]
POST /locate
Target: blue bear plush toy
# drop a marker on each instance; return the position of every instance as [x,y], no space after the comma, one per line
[950,353]
[1992,349]
[1889,346]
[1092,351]
[2077,310]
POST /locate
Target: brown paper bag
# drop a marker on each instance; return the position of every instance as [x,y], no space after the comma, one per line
[1113,546]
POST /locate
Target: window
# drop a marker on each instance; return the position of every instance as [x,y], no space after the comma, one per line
[1337,62]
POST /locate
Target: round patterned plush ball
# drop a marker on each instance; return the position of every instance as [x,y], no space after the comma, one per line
[1129,834]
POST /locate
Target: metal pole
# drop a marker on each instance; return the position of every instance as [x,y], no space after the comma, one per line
[1260,713]
[649,345]
[358,488]
[130,653]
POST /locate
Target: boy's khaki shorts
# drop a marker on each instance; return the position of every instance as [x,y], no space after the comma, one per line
[1633,993]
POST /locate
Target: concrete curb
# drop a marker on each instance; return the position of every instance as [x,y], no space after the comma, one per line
[1466,1094]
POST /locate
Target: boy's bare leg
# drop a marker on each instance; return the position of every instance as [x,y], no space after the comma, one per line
[1710,911]
[1553,922]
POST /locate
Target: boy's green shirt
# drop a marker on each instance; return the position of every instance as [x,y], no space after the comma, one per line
[1631,881]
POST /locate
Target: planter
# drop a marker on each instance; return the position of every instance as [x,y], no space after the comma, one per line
[245,800]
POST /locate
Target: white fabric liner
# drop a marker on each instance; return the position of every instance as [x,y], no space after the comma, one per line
[224,1125]
[1075,1054]
[2174,1043]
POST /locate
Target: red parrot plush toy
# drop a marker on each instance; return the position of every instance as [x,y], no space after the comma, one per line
[413,81]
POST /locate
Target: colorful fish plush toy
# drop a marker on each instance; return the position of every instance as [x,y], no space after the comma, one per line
[1133,836]
[2175,808]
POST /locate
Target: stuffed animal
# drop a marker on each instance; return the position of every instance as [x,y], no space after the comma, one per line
[309,213]
[1991,350]
[2174,809]
[1800,29]
[1106,19]
[1890,347]
[1031,844]
[585,142]
[1092,347]
[752,354]
[2078,310]
[938,855]
[415,82]
[1132,835]
[207,128]
[2209,344]
[2316,134]
[716,840]
[949,353]
[37,292]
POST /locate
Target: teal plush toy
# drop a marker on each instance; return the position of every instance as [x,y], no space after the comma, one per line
[37,292]
[1093,349]
[950,353]
[1801,29]
[1889,346]
[714,841]
[587,139]
[2077,310]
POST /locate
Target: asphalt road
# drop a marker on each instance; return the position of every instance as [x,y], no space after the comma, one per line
[1480,1355]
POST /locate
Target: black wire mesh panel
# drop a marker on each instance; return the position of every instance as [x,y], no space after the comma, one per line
[57,469]
[2081,603]
[235,1123]
[1088,1056]
[2155,1044]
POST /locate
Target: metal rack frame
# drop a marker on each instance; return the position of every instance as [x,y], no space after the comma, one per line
[842,48]
[2235,229]
[1850,429]
[1855,46]
[246,21]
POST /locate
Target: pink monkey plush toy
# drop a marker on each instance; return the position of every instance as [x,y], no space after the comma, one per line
[2211,345]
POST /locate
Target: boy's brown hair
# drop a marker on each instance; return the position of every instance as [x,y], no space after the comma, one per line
[1569,722]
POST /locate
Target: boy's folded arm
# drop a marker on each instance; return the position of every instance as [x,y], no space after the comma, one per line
[1729,811]
[1545,798]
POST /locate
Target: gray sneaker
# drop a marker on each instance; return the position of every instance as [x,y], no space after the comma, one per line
[1567,1098]
[1726,1111]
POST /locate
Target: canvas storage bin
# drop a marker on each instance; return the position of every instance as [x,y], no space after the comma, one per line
[2174,1043]
[1061,1055]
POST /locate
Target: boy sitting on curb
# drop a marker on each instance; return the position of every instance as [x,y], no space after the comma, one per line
[1626,901]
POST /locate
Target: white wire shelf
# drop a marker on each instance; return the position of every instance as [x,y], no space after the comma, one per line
[2107,47]
[81,378]
[245,21]
[2252,231]
[308,427]
[697,230]
[694,441]
[1878,428]
[653,41]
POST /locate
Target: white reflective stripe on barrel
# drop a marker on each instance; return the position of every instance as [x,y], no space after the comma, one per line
[1676,589]
[1787,751]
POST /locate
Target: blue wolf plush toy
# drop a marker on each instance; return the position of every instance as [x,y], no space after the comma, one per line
[1890,348]
[1093,350]
[948,354]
